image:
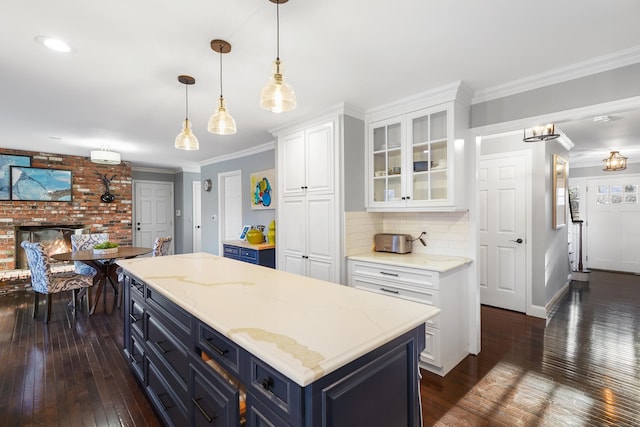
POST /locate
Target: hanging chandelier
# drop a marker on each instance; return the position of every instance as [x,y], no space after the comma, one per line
[540,133]
[186,140]
[221,122]
[615,162]
[277,95]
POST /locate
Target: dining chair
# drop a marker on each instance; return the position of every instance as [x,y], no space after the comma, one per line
[43,281]
[161,246]
[81,242]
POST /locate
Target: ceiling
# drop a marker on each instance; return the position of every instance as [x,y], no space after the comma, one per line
[119,88]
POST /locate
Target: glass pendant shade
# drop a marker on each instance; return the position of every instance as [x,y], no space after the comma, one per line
[221,122]
[186,140]
[277,96]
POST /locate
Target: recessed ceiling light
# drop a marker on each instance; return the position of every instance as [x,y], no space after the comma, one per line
[54,44]
[601,119]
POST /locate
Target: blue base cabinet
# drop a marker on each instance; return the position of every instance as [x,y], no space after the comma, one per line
[264,257]
[165,347]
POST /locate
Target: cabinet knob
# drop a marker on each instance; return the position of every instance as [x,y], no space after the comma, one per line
[267,383]
[403,198]
[408,197]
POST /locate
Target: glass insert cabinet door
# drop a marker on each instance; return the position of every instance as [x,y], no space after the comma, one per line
[429,156]
[387,161]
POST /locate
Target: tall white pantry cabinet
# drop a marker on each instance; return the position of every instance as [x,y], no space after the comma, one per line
[310,209]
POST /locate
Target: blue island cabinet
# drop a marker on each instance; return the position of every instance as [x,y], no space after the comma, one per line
[260,254]
[166,348]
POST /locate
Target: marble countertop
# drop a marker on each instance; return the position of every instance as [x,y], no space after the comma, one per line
[245,244]
[305,328]
[439,263]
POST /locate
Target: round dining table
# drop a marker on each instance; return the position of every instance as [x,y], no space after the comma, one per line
[105,266]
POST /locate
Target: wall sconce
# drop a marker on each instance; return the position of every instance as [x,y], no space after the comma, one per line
[615,162]
[540,133]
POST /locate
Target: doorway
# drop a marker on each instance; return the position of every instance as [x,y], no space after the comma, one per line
[503,200]
[152,212]
[230,206]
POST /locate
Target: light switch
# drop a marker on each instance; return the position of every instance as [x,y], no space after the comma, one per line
[178,213]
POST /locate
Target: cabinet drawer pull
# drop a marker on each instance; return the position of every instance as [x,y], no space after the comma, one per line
[134,319]
[267,383]
[134,360]
[213,347]
[164,406]
[202,410]
[163,350]
[389,274]
[391,291]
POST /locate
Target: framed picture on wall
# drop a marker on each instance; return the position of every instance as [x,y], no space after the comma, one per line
[39,184]
[244,231]
[6,161]
[560,180]
[262,191]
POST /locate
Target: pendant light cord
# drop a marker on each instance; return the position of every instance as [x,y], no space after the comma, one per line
[221,52]
[186,101]
[278,30]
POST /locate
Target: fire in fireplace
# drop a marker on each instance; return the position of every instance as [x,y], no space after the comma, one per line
[54,238]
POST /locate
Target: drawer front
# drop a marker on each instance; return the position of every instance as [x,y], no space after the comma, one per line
[219,348]
[135,352]
[432,352]
[169,350]
[407,276]
[136,316]
[167,403]
[231,251]
[259,415]
[213,401]
[169,311]
[276,391]
[249,255]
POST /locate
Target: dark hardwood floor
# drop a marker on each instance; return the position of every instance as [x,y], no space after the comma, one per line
[579,369]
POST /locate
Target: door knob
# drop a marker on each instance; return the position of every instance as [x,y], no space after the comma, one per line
[518,240]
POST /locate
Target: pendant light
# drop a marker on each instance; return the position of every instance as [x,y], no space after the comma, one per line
[221,122]
[277,96]
[186,140]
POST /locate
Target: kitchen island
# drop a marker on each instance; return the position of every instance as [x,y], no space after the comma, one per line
[304,352]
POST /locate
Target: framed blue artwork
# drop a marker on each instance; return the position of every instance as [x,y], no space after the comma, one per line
[36,184]
[6,161]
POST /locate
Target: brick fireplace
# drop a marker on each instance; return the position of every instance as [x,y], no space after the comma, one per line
[85,209]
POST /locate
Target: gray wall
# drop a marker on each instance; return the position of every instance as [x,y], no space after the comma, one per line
[602,87]
[249,164]
[184,202]
[354,164]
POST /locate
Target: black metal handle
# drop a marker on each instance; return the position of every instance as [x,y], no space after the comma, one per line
[403,197]
[389,274]
[138,228]
[267,383]
[163,350]
[134,319]
[213,347]
[164,406]
[391,291]
[408,197]
[518,240]
[134,360]
[202,410]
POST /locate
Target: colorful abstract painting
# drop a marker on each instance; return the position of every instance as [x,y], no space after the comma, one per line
[6,161]
[262,191]
[36,184]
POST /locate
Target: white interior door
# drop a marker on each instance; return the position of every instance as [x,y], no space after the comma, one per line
[230,204]
[196,191]
[153,216]
[613,226]
[502,255]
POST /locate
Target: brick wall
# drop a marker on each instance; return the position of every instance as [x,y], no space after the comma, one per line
[85,208]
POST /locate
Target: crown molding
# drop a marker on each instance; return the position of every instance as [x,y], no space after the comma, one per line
[574,71]
[238,154]
[154,170]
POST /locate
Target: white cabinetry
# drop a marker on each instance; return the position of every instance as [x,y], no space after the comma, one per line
[446,335]
[307,230]
[413,159]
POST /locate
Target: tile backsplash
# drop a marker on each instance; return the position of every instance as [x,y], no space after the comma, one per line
[447,232]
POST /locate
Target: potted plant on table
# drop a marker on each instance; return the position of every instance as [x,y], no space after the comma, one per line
[105,248]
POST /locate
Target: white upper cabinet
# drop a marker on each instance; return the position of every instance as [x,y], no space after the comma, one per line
[307,163]
[413,160]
